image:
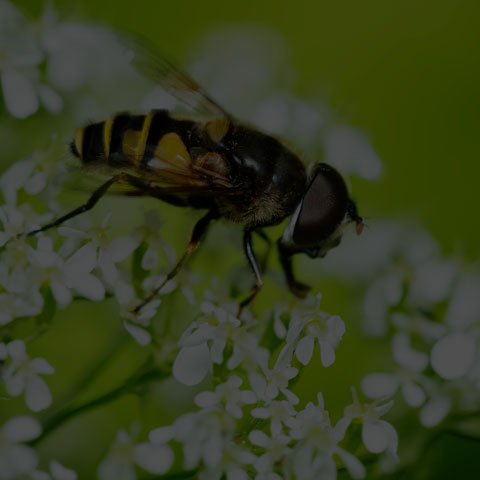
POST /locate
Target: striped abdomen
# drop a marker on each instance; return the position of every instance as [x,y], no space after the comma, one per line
[127,140]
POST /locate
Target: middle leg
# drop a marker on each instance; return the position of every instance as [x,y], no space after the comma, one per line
[250,254]
[198,232]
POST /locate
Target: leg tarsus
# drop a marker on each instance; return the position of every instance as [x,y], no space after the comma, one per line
[247,246]
[299,289]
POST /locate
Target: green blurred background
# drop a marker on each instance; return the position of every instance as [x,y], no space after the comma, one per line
[406,73]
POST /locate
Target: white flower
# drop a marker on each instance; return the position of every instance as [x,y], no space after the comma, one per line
[279,412]
[56,472]
[151,234]
[19,58]
[273,382]
[227,393]
[125,454]
[192,364]
[432,282]
[231,464]
[276,448]
[438,405]
[377,435]
[14,223]
[204,435]
[14,179]
[32,175]
[22,375]
[136,324]
[247,354]
[17,459]
[17,306]
[318,442]
[109,253]
[464,304]
[384,385]
[75,273]
[453,355]
[417,324]
[15,257]
[405,355]
[350,151]
[384,292]
[313,325]
[203,343]
[310,419]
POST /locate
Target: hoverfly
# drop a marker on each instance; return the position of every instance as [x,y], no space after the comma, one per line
[219,165]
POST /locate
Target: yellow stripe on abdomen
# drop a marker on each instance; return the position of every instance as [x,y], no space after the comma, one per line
[134,141]
[107,136]
[78,142]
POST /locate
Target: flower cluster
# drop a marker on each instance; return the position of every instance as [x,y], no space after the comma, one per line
[430,307]
[249,424]
[18,460]
[246,418]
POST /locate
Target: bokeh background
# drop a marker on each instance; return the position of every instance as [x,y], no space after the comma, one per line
[407,75]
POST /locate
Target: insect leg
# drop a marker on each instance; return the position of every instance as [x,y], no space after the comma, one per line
[247,246]
[91,202]
[266,239]
[198,232]
[299,289]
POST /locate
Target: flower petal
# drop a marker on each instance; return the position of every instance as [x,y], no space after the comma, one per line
[206,399]
[377,385]
[374,437]
[139,334]
[16,348]
[22,460]
[304,350]
[40,365]
[352,463]
[259,438]
[82,261]
[435,411]
[327,353]
[59,472]
[19,94]
[154,459]
[161,435]
[52,101]
[21,429]
[413,394]
[88,286]
[453,355]
[192,364]
[37,394]
[121,248]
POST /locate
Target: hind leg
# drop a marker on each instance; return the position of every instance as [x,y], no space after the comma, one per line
[90,203]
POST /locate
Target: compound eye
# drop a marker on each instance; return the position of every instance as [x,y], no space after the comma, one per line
[323,208]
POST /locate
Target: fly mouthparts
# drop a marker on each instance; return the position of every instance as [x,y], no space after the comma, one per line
[359,225]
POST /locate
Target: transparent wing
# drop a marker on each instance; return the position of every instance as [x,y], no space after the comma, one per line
[150,63]
[164,175]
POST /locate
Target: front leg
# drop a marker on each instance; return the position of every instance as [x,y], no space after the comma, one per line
[250,254]
[299,289]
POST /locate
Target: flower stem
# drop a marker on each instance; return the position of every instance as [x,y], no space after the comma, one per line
[138,379]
